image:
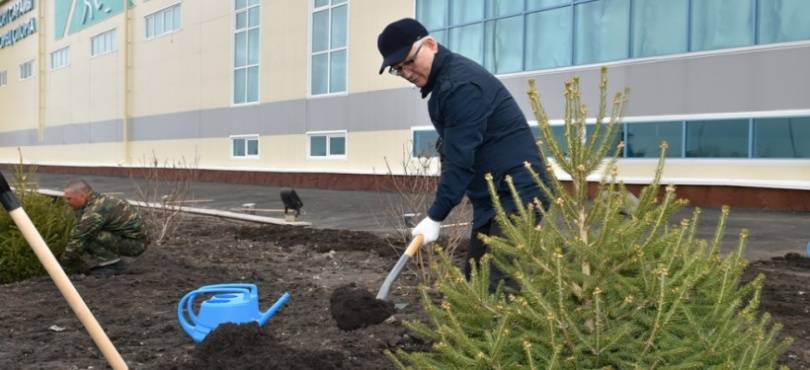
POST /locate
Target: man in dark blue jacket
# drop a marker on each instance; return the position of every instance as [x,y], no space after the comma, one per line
[480,126]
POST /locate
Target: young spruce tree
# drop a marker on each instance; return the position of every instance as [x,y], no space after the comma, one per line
[51,218]
[604,283]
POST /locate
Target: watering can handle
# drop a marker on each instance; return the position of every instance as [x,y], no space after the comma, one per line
[228,288]
[185,324]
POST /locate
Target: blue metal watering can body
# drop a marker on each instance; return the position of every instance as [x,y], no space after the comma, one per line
[230,303]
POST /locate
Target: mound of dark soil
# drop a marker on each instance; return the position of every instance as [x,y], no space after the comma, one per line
[354,308]
[247,347]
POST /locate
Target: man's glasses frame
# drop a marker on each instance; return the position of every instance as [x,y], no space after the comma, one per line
[397,69]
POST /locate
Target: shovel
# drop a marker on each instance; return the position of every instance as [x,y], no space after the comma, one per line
[34,239]
[385,289]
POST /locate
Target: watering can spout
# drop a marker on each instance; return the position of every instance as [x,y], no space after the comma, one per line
[274,309]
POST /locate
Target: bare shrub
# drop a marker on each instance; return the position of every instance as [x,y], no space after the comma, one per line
[162,187]
[412,195]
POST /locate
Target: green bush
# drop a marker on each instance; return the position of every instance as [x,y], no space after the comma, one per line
[603,283]
[50,216]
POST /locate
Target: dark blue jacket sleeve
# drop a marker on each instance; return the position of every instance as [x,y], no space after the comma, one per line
[465,123]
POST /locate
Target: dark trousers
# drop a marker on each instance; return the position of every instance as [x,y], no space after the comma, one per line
[477,249]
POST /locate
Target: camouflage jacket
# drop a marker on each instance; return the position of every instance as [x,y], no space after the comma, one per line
[102,213]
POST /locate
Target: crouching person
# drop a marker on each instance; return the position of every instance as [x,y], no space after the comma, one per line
[106,229]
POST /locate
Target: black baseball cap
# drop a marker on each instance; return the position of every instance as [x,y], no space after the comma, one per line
[396,40]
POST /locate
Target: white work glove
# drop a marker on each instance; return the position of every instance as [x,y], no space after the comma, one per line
[428,228]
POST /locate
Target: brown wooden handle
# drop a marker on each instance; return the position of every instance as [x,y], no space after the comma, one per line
[416,243]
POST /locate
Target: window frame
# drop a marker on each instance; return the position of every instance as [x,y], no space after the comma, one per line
[64,49]
[328,135]
[246,138]
[246,67]
[414,130]
[163,10]
[30,64]
[113,43]
[329,51]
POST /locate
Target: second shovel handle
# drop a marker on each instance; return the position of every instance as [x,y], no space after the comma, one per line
[416,243]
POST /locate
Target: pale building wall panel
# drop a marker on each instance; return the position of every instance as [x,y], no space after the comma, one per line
[367,18]
[18,98]
[284,50]
[102,154]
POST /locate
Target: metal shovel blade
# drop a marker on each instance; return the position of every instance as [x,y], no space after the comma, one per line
[385,289]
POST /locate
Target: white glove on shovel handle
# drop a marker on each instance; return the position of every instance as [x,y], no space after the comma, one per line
[429,229]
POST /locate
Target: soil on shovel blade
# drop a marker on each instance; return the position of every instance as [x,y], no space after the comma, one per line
[354,308]
[138,310]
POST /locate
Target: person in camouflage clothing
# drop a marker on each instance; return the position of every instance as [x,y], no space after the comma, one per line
[106,228]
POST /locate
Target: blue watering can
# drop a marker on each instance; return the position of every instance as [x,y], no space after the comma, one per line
[230,303]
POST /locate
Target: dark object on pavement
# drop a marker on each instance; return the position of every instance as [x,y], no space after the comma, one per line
[355,308]
[291,201]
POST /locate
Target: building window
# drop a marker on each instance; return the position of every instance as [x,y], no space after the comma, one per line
[245,146]
[3,78]
[524,35]
[720,24]
[60,58]
[602,31]
[246,51]
[618,136]
[559,136]
[424,143]
[767,137]
[660,27]
[27,70]
[644,139]
[163,22]
[327,144]
[783,20]
[103,43]
[548,38]
[329,29]
[782,137]
[717,139]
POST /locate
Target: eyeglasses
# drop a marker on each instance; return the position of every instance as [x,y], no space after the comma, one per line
[397,70]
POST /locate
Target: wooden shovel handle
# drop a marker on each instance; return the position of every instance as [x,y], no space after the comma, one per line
[416,243]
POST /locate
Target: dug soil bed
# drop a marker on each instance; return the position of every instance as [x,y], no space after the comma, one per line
[138,310]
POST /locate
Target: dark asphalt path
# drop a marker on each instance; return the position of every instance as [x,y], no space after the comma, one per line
[771,233]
